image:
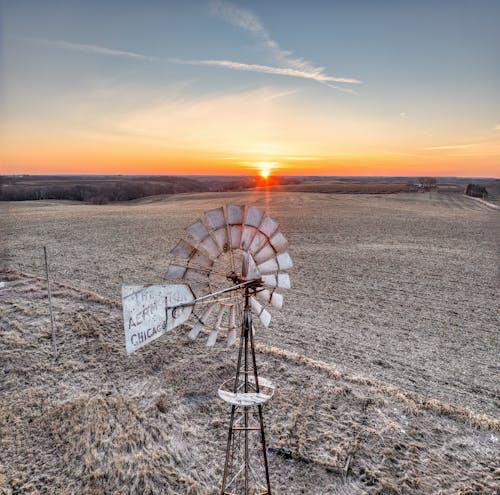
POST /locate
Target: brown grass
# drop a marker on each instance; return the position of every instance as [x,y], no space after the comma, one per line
[384,355]
[413,401]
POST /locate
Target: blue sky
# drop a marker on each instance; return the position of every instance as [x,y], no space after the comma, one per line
[339,86]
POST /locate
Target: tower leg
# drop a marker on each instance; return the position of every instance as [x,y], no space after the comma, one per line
[261,419]
[227,463]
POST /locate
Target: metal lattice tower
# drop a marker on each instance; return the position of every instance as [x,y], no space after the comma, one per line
[246,468]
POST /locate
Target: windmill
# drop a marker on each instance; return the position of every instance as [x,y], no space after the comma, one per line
[227,269]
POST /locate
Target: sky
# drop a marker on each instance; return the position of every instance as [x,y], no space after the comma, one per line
[338,87]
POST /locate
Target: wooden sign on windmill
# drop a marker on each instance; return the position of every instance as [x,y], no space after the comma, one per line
[228,269]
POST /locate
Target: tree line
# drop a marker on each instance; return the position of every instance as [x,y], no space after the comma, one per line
[100,191]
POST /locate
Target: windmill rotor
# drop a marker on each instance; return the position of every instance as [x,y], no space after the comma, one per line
[226,251]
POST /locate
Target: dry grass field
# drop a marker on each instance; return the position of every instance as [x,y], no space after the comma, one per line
[347,187]
[385,355]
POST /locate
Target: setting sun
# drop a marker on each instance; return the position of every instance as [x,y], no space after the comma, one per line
[265,168]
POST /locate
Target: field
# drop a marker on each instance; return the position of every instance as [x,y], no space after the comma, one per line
[385,355]
[347,187]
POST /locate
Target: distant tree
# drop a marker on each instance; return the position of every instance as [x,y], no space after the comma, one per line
[476,191]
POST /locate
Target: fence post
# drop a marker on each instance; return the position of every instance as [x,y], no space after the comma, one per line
[53,332]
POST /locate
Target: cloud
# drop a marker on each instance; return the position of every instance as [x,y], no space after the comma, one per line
[497,127]
[237,16]
[403,115]
[99,50]
[482,148]
[277,124]
[245,19]
[451,147]
[248,21]
[317,75]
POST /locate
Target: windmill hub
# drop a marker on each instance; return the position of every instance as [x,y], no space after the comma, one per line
[234,277]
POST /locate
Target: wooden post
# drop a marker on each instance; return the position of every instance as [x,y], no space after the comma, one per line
[53,332]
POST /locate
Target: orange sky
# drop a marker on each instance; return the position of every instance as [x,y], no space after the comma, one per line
[65,153]
[404,95]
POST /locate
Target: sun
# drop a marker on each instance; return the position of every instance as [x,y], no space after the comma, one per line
[265,168]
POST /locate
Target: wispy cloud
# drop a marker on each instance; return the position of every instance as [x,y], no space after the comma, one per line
[481,148]
[451,147]
[248,21]
[243,19]
[95,49]
[283,71]
[497,127]
[297,67]
[317,74]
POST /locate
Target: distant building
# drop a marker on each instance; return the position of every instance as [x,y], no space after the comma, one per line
[426,184]
[476,191]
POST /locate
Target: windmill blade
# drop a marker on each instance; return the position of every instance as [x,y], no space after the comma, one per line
[215,218]
[279,280]
[253,216]
[265,318]
[266,252]
[197,230]
[276,300]
[268,226]
[235,235]
[195,331]
[264,315]
[195,274]
[247,237]
[256,306]
[258,241]
[220,236]
[200,260]
[183,250]
[234,214]
[231,337]
[269,266]
[271,297]
[199,233]
[212,338]
[283,280]
[249,270]
[284,261]
[198,326]
[211,247]
[175,272]
[278,242]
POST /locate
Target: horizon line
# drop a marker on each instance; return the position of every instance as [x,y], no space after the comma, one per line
[244,175]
